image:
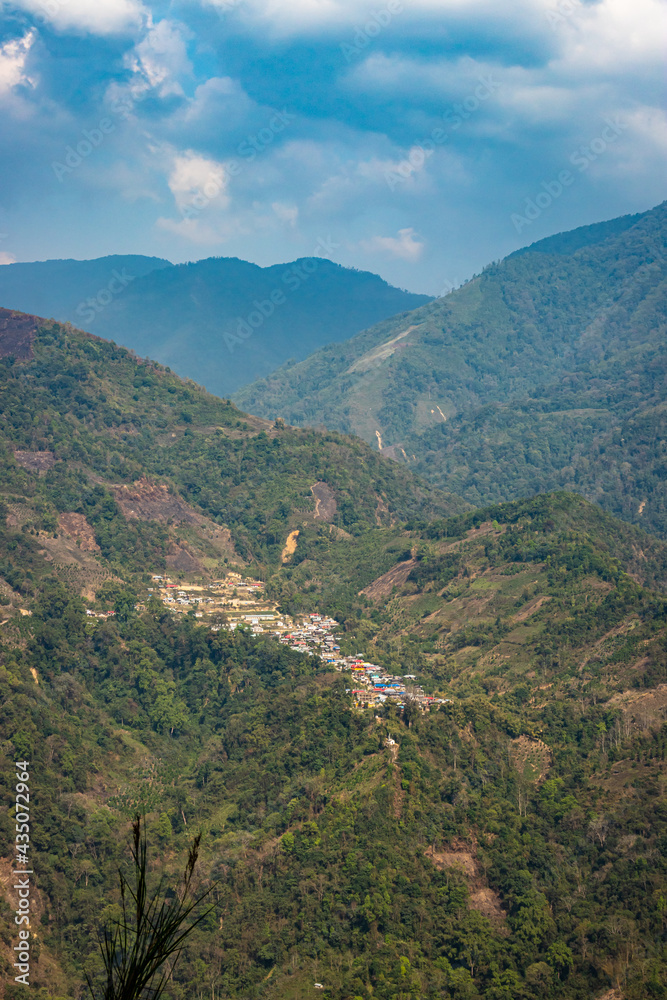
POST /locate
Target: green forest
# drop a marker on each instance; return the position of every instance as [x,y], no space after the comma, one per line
[544,372]
[509,844]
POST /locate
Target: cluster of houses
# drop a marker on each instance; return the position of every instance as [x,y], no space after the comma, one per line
[241,602]
[373,688]
[313,634]
[232,595]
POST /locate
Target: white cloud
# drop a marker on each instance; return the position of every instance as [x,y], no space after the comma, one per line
[286,213]
[199,186]
[650,125]
[156,63]
[203,232]
[307,16]
[590,49]
[161,58]
[405,246]
[195,181]
[95,17]
[218,99]
[13,56]
[212,228]
[609,28]
[613,35]
[6,258]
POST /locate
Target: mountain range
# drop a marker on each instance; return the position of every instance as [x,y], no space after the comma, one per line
[508,844]
[547,371]
[222,321]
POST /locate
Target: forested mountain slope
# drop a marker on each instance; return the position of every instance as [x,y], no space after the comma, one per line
[221,321]
[99,419]
[545,372]
[509,844]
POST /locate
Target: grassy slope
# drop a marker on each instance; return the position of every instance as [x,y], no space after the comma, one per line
[545,372]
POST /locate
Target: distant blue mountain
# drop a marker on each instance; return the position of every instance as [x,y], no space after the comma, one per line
[222,321]
[57,288]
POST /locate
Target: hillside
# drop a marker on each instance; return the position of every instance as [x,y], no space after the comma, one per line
[92,429]
[545,372]
[221,321]
[509,843]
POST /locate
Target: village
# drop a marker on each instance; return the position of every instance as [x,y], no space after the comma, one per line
[235,602]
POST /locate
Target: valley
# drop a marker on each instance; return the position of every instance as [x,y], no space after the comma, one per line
[333,500]
[221,321]
[424,742]
[544,372]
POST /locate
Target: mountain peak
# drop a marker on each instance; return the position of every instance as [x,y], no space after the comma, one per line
[222,321]
[537,375]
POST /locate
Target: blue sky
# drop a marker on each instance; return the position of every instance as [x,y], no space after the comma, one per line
[417,139]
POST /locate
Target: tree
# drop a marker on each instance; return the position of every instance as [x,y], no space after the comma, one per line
[560,958]
[150,930]
[124,605]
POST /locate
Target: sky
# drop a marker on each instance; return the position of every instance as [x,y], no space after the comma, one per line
[419,139]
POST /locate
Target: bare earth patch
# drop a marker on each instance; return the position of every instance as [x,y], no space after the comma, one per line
[75,565]
[18,514]
[482,897]
[531,758]
[642,709]
[17,332]
[45,968]
[290,546]
[395,577]
[180,559]
[148,501]
[76,526]
[325,502]
[35,461]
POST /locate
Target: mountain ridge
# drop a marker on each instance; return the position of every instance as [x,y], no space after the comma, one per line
[198,317]
[574,333]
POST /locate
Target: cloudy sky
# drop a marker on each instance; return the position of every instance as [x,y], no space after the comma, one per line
[419,139]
